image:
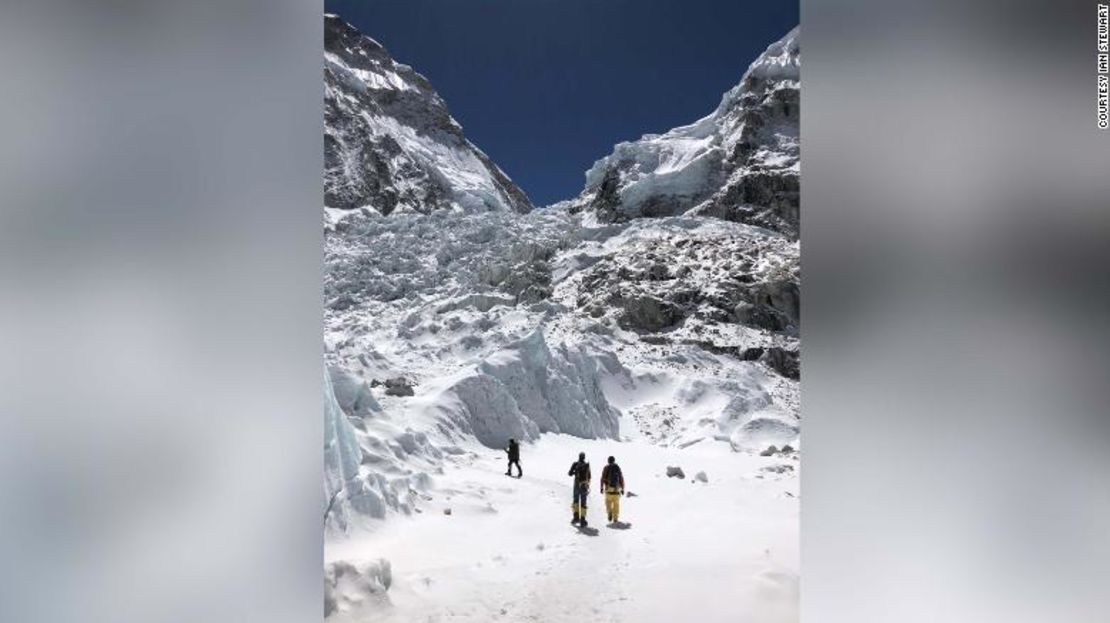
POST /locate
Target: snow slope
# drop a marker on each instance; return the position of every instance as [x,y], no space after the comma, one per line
[389,142]
[456,317]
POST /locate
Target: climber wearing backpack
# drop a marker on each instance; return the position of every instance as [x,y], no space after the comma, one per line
[612,485]
[580,470]
[514,459]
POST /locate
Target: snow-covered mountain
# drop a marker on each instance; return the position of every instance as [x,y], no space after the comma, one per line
[655,317]
[390,144]
[740,163]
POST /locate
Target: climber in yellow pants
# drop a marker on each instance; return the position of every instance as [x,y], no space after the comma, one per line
[612,485]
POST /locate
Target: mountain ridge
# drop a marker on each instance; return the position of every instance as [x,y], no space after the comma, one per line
[740,163]
[391,144]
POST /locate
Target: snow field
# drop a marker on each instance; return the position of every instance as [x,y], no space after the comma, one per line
[725,550]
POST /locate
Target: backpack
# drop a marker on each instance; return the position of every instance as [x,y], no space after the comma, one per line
[613,476]
[581,471]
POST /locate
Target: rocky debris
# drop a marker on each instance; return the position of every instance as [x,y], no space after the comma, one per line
[750,354]
[701,477]
[782,360]
[675,472]
[768,199]
[781,296]
[647,313]
[785,362]
[777,469]
[447,511]
[693,273]
[785,451]
[761,316]
[398,386]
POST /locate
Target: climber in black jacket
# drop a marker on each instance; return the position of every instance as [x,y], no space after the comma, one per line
[514,459]
[580,470]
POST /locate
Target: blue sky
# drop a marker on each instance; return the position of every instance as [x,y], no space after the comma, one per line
[545,87]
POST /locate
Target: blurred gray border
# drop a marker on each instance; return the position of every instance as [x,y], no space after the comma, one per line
[955,210]
[160,262]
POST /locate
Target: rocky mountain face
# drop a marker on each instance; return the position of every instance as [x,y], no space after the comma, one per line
[390,144]
[739,163]
[662,304]
[694,281]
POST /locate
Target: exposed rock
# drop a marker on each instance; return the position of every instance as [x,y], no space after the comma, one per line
[771,451]
[646,313]
[675,472]
[398,386]
[759,316]
[701,477]
[751,354]
[782,296]
[785,362]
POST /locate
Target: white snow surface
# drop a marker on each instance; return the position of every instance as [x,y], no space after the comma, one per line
[725,550]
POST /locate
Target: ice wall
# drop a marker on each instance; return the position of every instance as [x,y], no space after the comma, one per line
[530,388]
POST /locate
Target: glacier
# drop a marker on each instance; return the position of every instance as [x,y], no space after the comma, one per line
[655,315]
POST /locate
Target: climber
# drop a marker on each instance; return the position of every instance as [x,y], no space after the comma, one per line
[514,459]
[581,472]
[612,485]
